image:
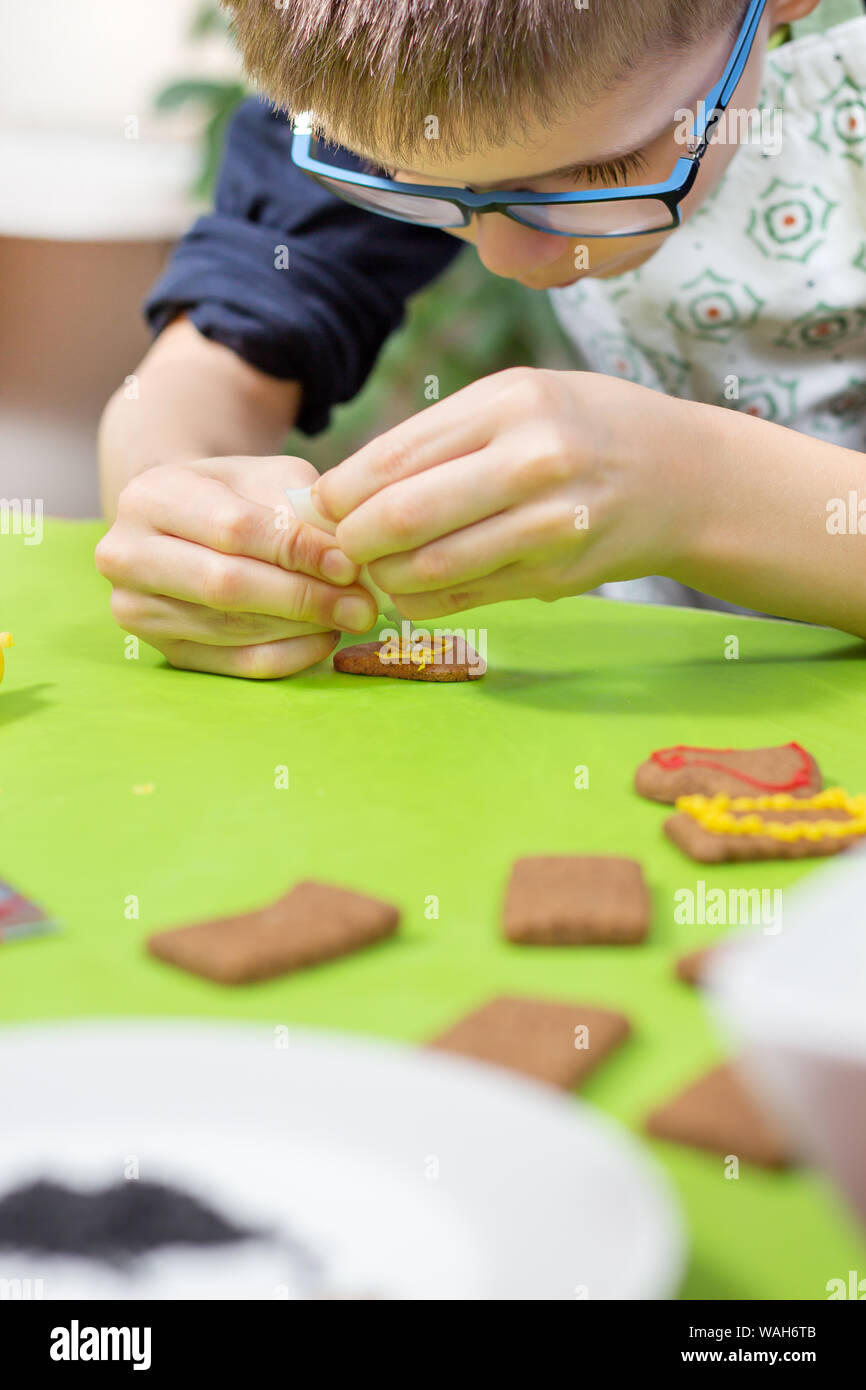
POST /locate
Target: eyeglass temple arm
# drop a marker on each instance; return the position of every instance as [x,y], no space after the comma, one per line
[718,96]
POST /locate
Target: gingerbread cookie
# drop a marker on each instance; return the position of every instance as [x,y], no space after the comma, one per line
[717,830]
[5,641]
[421,657]
[557,1043]
[718,1114]
[314,922]
[574,899]
[670,773]
[690,968]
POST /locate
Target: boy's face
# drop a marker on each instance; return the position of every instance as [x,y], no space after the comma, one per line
[636,118]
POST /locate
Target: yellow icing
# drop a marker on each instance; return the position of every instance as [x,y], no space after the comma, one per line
[715,813]
[5,641]
[429,649]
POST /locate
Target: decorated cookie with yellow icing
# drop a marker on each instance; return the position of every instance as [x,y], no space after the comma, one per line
[5,641]
[718,829]
[419,657]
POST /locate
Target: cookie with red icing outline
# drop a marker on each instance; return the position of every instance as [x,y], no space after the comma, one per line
[682,770]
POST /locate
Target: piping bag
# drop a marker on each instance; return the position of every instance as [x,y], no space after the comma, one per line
[302,505]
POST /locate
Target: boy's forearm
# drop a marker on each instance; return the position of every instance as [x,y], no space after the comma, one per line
[190,399]
[771,526]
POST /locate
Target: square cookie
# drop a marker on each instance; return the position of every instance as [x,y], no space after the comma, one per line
[670,773]
[576,899]
[718,1114]
[557,1043]
[314,922]
[444,660]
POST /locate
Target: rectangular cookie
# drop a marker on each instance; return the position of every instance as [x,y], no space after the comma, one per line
[718,1114]
[682,770]
[446,660]
[705,829]
[576,899]
[552,1042]
[314,922]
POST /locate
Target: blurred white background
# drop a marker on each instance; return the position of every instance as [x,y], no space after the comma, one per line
[95,186]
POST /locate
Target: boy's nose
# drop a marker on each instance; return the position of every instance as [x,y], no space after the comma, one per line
[509,249]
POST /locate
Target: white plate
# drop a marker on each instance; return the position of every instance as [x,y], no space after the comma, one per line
[411,1175]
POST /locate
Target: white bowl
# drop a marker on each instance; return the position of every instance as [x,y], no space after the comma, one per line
[406,1173]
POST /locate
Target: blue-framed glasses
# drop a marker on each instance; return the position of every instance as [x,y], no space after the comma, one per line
[603,212]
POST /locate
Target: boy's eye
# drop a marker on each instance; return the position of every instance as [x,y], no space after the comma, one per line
[616,172]
[377,171]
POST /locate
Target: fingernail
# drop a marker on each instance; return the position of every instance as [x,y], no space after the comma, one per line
[320,505]
[354,614]
[337,566]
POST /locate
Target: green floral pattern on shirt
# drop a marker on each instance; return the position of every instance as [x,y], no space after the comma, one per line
[765,397]
[790,220]
[716,309]
[840,123]
[823,328]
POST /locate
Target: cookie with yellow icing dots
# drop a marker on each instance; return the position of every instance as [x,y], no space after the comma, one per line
[420,658]
[684,770]
[5,641]
[722,829]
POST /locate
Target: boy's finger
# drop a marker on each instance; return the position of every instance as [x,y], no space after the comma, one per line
[542,527]
[512,581]
[263,661]
[210,513]
[155,617]
[263,480]
[458,425]
[432,504]
[159,564]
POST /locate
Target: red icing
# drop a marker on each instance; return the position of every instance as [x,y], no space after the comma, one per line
[672,758]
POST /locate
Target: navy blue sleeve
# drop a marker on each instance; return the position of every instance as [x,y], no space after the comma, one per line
[323,320]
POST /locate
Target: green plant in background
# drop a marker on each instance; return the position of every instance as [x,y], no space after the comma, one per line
[219,100]
[468,325]
[216,99]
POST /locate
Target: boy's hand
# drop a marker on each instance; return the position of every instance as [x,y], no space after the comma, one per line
[208,567]
[525,484]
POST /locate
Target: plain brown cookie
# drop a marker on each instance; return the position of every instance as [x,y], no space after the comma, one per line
[690,967]
[314,922]
[575,899]
[459,662]
[537,1037]
[718,1114]
[710,847]
[683,771]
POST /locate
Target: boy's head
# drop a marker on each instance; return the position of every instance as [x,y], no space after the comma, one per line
[518,89]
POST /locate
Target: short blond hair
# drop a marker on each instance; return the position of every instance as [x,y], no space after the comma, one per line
[372,72]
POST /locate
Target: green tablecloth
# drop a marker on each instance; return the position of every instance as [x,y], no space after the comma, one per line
[408,790]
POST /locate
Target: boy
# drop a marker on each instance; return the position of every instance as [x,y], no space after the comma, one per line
[655,462]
